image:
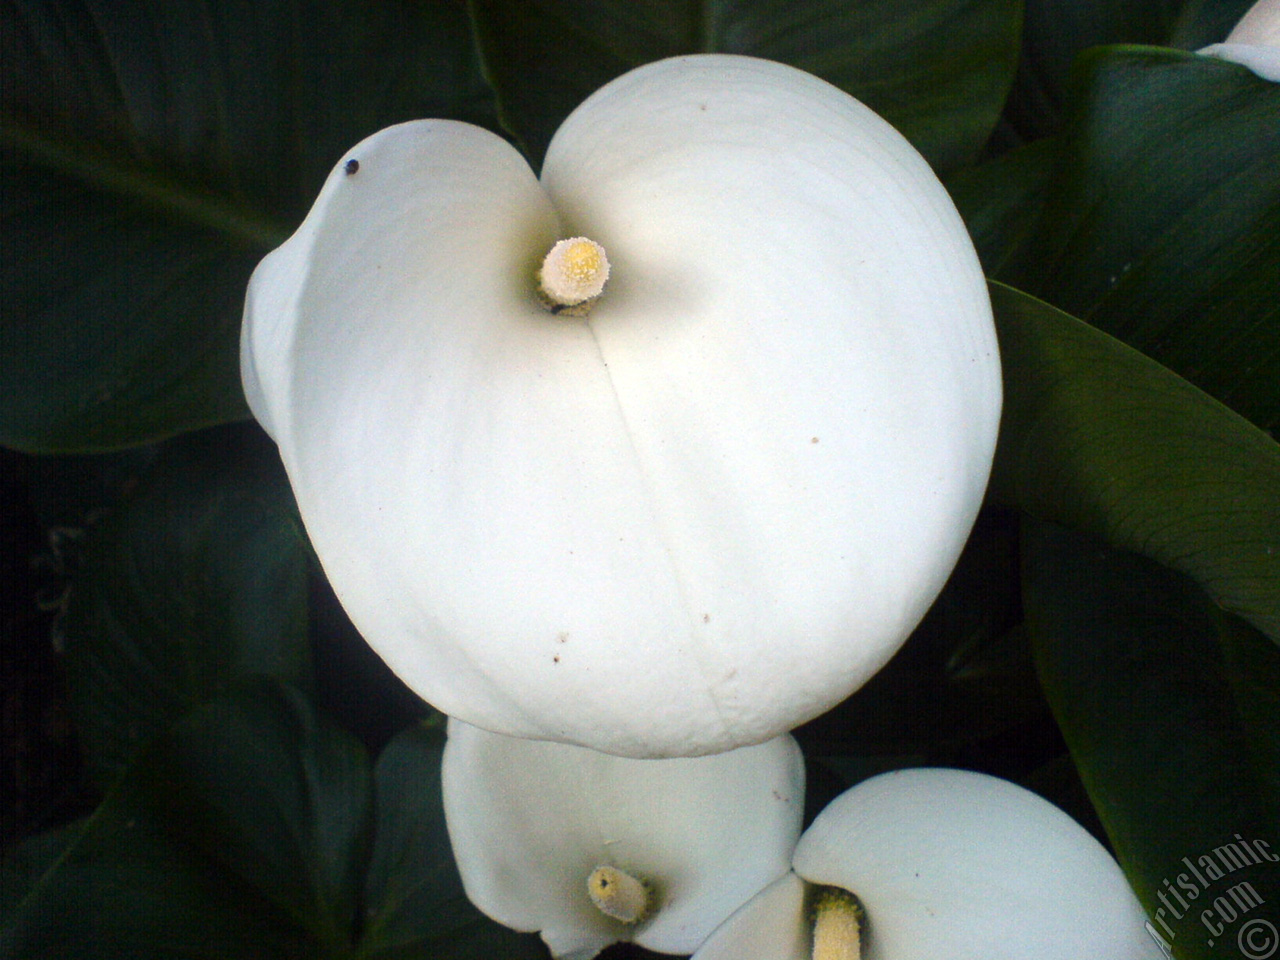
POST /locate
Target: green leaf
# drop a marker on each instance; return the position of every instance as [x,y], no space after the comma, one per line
[1252,667]
[1001,199]
[22,867]
[1162,221]
[415,901]
[938,70]
[119,327]
[152,152]
[198,580]
[1056,31]
[299,837]
[123,892]
[241,834]
[1101,439]
[1130,656]
[256,829]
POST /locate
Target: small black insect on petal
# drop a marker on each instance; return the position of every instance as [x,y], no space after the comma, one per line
[352,166]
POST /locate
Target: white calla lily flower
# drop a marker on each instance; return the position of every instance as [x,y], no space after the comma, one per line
[592,849]
[1254,42]
[942,863]
[697,496]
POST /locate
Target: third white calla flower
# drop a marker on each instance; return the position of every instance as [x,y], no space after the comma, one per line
[946,863]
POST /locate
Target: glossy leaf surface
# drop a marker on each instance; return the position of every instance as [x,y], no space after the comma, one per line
[937,70]
[151,154]
[1131,658]
[1161,222]
[1055,32]
[198,580]
[256,829]
[1099,438]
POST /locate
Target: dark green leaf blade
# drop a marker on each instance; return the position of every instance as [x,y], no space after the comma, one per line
[1055,32]
[243,833]
[119,327]
[268,791]
[1001,199]
[124,892]
[1162,222]
[1130,659]
[1252,667]
[24,865]
[415,901]
[152,153]
[938,70]
[1101,439]
[198,580]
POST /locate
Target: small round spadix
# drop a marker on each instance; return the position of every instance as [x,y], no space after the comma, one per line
[702,515]
[617,894]
[573,271]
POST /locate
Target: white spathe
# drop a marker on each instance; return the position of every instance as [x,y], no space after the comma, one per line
[954,864]
[531,820]
[691,520]
[1254,42]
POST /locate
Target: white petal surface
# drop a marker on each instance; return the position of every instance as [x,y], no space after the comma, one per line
[1260,25]
[1255,41]
[701,516]
[969,867]
[529,821]
[771,926]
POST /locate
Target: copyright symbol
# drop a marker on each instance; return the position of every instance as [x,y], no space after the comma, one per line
[1258,939]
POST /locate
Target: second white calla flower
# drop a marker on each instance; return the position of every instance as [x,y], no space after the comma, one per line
[591,849]
[692,518]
